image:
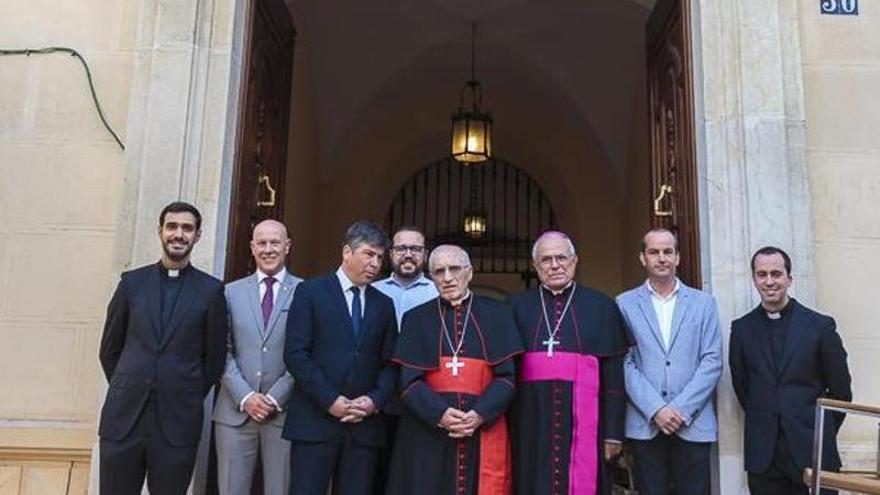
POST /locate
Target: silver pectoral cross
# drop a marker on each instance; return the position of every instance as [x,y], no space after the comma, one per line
[550,343]
[454,365]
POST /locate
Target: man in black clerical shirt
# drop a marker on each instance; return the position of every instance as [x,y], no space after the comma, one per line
[784,356]
[163,347]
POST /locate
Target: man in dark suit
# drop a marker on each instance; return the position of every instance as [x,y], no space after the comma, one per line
[163,347]
[784,356]
[341,334]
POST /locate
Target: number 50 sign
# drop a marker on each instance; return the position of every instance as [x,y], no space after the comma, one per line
[839,7]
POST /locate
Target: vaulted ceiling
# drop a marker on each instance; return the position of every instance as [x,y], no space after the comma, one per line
[582,60]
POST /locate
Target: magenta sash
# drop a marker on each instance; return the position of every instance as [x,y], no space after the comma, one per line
[583,371]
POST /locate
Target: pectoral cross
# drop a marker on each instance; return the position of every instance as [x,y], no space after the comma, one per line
[550,342]
[454,365]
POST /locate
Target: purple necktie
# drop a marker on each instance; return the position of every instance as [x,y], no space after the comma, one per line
[268,299]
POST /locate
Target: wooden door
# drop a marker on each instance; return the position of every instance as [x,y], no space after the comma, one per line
[671,112]
[264,115]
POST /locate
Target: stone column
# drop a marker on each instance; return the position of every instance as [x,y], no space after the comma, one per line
[181,124]
[753,171]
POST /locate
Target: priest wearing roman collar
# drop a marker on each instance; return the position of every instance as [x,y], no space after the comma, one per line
[457,378]
[567,420]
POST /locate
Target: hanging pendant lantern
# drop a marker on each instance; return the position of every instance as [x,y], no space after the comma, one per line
[471,127]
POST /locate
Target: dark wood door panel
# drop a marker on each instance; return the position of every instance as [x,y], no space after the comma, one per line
[671,113]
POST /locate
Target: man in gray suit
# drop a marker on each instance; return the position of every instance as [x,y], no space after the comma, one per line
[670,374]
[256,385]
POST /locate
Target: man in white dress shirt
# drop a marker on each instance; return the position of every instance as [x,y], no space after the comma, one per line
[256,386]
[670,374]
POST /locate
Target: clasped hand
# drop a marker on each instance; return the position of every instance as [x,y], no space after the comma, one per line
[259,407]
[352,410]
[668,420]
[460,424]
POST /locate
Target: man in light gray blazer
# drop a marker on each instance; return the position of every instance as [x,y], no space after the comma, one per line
[256,386]
[670,374]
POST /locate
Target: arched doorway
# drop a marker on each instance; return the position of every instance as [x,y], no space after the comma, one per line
[504,207]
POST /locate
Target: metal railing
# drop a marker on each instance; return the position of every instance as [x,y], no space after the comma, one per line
[854,481]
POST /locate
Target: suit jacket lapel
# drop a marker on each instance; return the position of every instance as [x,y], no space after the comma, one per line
[369,310]
[187,292]
[154,291]
[650,315]
[281,301]
[253,302]
[338,298]
[796,324]
[682,305]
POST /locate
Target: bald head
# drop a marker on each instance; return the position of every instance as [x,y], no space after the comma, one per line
[271,226]
[270,246]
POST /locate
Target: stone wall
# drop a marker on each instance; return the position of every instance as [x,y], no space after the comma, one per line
[841,60]
[60,196]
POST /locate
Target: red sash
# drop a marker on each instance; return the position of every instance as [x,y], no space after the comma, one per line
[472,379]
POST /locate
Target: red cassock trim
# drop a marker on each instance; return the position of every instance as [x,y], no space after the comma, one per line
[472,379]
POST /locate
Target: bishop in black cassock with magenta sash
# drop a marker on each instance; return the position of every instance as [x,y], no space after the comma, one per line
[457,380]
[568,415]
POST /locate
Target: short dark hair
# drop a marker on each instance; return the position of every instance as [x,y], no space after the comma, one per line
[771,250]
[364,232]
[409,228]
[643,245]
[181,207]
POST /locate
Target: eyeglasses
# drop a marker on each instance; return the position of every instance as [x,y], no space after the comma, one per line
[454,270]
[402,249]
[562,260]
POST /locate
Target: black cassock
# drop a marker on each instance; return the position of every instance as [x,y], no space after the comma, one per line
[425,460]
[543,414]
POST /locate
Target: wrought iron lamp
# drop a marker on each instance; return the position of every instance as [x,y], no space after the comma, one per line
[474,224]
[471,126]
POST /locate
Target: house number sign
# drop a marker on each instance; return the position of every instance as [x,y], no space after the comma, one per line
[839,7]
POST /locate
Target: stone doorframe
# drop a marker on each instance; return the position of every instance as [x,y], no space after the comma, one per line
[750,126]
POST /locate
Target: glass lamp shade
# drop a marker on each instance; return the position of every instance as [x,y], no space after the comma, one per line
[471,137]
[475,224]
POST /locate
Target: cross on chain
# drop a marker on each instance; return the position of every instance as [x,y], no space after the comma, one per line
[455,364]
[550,343]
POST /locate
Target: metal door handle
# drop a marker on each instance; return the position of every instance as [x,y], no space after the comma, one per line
[658,209]
[263,179]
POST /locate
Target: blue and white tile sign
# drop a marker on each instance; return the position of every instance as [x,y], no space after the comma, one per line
[839,7]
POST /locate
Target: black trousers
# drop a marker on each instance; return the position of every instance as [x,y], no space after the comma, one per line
[383,454]
[145,453]
[347,463]
[783,477]
[667,464]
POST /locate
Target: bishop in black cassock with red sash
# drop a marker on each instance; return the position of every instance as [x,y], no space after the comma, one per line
[457,379]
[569,412]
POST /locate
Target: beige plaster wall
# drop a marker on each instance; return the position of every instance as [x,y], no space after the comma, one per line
[60,190]
[841,58]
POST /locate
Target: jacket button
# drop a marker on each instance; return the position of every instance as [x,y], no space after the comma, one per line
[668,363]
[663,393]
[265,349]
[260,373]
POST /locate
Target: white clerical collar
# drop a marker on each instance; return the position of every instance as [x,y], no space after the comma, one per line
[557,292]
[657,294]
[279,277]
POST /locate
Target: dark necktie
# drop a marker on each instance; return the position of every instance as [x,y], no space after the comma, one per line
[268,299]
[356,310]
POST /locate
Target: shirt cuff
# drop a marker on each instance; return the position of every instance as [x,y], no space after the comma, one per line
[246,397]
[612,440]
[274,402]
